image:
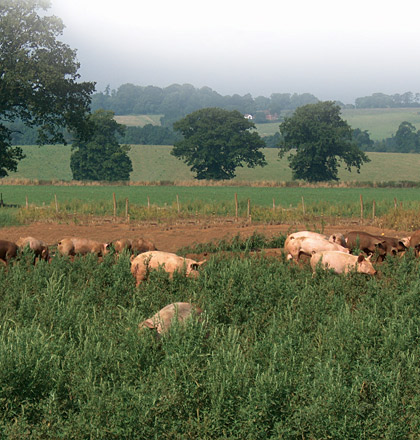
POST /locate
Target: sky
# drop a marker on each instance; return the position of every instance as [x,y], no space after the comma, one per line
[334,49]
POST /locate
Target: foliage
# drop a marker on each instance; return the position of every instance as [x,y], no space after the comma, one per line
[381,100]
[216,142]
[273,141]
[38,78]
[362,139]
[321,139]
[150,135]
[176,101]
[97,154]
[279,353]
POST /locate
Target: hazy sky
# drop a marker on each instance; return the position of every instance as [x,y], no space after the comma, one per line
[330,48]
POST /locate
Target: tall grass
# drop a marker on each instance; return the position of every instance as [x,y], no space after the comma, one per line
[279,353]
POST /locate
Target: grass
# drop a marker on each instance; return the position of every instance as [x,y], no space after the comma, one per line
[153,163]
[138,120]
[381,123]
[279,353]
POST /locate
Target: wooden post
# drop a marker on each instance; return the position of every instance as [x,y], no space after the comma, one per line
[303,206]
[361,207]
[27,204]
[236,206]
[249,210]
[115,205]
[274,206]
[373,210]
[56,203]
[1,201]
[177,202]
[126,210]
[395,203]
[148,203]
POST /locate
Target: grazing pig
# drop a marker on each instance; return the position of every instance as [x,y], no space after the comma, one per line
[8,250]
[140,245]
[137,245]
[121,244]
[143,263]
[162,320]
[82,246]
[342,262]
[337,237]
[392,245]
[297,247]
[39,248]
[366,242]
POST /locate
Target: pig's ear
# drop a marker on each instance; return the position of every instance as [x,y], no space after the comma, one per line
[148,323]
[360,258]
[369,257]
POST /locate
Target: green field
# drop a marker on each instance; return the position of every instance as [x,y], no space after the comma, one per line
[138,120]
[155,163]
[279,353]
[381,123]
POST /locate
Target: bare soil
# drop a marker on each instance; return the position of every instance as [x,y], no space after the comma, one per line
[171,237]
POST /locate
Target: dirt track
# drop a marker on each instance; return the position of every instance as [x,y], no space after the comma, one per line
[170,237]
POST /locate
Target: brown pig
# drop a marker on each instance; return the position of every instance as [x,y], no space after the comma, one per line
[8,250]
[136,245]
[413,241]
[143,263]
[366,242]
[121,244]
[297,247]
[39,248]
[162,320]
[342,262]
[73,246]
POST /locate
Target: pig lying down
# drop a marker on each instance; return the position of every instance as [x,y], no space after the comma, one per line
[342,262]
[162,320]
[143,263]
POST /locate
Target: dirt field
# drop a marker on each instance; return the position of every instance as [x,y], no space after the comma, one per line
[171,237]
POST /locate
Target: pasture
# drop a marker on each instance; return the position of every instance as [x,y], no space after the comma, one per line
[154,163]
[381,123]
[279,353]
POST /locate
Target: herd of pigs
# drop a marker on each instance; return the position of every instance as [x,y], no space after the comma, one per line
[328,252]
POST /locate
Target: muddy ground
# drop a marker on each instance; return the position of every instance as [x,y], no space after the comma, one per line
[171,237]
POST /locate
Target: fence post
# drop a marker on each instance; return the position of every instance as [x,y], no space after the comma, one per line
[249,210]
[27,204]
[56,203]
[115,205]
[303,206]
[395,203]
[361,207]
[126,210]
[236,207]
[148,203]
[274,206]
[373,210]
[177,202]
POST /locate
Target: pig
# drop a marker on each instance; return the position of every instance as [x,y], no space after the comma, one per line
[337,237]
[366,242]
[342,262]
[136,245]
[162,320]
[392,245]
[143,263]
[297,247]
[413,241]
[39,248]
[8,250]
[82,246]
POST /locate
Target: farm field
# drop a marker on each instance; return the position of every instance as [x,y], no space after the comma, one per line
[380,123]
[279,353]
[155,163]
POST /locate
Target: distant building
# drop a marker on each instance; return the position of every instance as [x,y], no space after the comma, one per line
[248,116]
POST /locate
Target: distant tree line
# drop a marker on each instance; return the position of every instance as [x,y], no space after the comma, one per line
[176,101]
[381,100]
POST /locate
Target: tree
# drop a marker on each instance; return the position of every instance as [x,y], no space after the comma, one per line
[216,142]
[321,139]
[362,139]
[38,78]
[407,138]
[96,153]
